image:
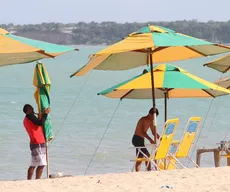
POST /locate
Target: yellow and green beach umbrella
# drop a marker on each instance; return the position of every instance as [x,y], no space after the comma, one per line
[42,96]
[151,44]
[221,64]
[16,50]
[169,82]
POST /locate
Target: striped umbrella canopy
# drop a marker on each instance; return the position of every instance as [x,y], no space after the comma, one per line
[17,50]
[151,44]
[42,96]
[224,82]
[169,82]
[221,64]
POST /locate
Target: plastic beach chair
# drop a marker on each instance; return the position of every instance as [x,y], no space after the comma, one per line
[163,148]
[186,143]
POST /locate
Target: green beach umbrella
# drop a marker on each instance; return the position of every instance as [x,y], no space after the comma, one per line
[42,96]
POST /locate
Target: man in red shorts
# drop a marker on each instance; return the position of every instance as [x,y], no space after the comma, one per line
[33,126]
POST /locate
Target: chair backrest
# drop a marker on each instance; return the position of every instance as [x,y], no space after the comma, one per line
[188,137]
[166,138]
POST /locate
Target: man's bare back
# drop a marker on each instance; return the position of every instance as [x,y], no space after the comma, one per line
[142,127]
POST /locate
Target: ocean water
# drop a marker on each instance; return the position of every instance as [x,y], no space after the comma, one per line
[80,117]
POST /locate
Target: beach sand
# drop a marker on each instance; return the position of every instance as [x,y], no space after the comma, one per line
[186,180]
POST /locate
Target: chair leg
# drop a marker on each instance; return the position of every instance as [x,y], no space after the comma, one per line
[178,162]
[136,160]
[190,159]
[174,164]
[145,156]
[155,165]
[132,170]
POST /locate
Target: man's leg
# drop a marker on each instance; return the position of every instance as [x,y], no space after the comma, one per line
[39,171]
[138,166]
[30,172]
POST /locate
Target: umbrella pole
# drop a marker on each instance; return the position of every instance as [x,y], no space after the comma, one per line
[153,95]
[165,106]
[47,160]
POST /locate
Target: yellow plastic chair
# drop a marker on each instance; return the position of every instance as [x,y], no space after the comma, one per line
[172,151]
[186,143]
[164,145]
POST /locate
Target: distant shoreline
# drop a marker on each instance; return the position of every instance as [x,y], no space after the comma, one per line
[107,33]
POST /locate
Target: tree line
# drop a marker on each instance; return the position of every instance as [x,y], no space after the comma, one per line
[106,33]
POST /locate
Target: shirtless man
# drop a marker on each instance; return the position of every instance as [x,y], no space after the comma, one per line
[142,127]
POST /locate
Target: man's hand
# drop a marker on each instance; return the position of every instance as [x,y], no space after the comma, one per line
[47,110]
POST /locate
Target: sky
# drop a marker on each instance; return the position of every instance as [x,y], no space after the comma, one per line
[73,11]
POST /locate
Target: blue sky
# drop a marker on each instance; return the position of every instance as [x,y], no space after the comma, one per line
[67,11]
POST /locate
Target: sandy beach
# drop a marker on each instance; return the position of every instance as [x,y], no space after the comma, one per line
[194,180]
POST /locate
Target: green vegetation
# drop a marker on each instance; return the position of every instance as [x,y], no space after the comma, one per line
[109,32]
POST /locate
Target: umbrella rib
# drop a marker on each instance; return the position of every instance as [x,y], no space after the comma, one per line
[208,93]
[126,94]
[159,49]
[139,50]
[226,69]
[44,53]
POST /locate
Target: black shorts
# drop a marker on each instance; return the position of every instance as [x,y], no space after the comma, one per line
[138,141]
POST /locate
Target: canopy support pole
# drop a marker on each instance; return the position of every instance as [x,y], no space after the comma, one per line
[153,95]
[47,161]
[165,94]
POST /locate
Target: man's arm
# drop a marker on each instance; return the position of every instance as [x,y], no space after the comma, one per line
[153,129]
[35,120]
[149,138]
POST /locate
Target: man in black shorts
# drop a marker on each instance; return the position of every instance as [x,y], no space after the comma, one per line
[142,127]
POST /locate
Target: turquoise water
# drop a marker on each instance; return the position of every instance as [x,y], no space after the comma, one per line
[80,117]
